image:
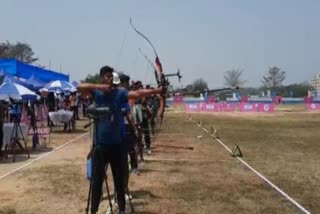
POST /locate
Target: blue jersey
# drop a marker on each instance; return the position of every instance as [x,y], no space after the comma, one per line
[109,128]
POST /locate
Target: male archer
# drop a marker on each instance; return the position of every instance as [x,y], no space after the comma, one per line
[109,146]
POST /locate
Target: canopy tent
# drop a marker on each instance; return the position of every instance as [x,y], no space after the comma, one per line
[17,68]
[35,82]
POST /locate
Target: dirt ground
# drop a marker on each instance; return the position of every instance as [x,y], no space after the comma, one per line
[176,179]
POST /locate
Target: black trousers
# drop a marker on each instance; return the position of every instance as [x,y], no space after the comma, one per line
[1,138]
[146,132]
[130,141]
[75,110]
[116,156]
[153,123]
[84,110]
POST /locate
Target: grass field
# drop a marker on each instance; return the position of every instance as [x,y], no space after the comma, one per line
[283,146]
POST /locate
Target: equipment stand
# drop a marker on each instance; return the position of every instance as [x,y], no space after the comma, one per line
[94,140]
[100,112]
[14,140]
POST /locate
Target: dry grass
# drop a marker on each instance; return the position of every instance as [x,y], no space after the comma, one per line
[178,180]
[285,149]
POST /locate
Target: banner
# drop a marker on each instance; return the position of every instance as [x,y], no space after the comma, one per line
[211,99]
[213,107]
[313,107]
[244,99]
[232,107]
[178,99]
[228,107]
[266,107]
[308,100]
[193,107]
[249,107]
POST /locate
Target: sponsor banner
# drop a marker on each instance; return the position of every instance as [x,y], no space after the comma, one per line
[232,107]
[244,99]
[248,107]
[213,107]
[211,99]
[313,107]
[228,107]
[266,107]
[177,99]
[277,99]
[193,107]
[308,100]
[41,113]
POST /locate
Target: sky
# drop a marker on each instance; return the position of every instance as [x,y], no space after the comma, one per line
[202,38]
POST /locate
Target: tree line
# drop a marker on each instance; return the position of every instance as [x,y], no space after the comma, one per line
[272,80]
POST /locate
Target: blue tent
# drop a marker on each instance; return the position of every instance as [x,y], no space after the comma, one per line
[17,68]
[35,82]
[11,79]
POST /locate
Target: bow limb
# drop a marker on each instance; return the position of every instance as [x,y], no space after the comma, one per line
[152,65]
[163,83]
[161,80]
[138,32]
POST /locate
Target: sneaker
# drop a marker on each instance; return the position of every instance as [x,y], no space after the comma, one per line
[135,171]
[149,151]
[128,197]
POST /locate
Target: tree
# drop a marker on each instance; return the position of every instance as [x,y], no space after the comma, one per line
[232,78]
[274,77]
[19,51]
[297,90]
[199,85]
[93,78]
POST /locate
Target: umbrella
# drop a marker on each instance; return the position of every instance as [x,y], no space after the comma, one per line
[60,85]
[16,91]
[16,80]
[75,84]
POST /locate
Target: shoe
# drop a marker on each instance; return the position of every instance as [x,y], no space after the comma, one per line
[128,197]
[135,171]
[149,151]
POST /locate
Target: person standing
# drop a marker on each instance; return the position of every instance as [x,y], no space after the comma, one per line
[109,147]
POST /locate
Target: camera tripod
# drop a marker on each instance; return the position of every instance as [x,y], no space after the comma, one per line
[97,114]
[15,139]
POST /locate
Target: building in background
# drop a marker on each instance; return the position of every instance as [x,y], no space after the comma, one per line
[315,83]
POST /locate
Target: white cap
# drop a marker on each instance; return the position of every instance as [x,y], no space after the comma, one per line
[116,79]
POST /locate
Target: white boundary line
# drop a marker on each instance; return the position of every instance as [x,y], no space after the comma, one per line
[255,171]
[42,156]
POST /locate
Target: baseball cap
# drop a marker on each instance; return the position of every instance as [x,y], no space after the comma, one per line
[116,79]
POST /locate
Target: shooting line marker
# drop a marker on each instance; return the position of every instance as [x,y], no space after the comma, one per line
[42,156]
[304,210]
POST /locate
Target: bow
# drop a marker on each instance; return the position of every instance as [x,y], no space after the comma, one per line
[160,77]
[151,64]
